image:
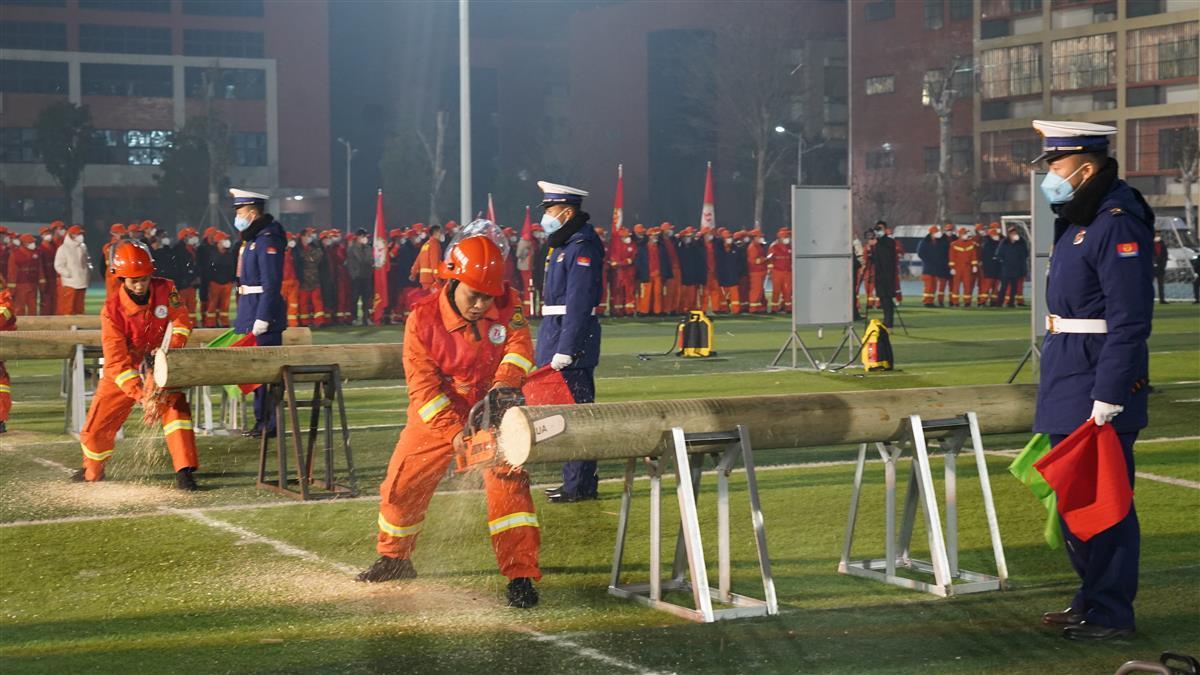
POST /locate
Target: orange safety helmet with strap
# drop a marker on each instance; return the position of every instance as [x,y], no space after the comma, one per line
[478,263]
[131,259]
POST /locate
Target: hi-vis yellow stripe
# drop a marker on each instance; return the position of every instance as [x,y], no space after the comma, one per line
[396,530]
[95,456]
[171,427]
[125,376]
[520,519]
[431,409]
[4,311]
[5,389]
[518,361]
[181,330]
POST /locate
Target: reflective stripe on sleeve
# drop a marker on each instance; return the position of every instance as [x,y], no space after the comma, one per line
[125,376]
[432,408]
[181,330]
[177,425]
[520,519]
[518,361]
[396,530]
[5,389]
[95,456]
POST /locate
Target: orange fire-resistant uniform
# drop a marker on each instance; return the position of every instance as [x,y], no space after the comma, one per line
[425,267]
[756,268]
[8,321]
[964,265]
[289,288]
[129,332]
[449,364]
[779,260]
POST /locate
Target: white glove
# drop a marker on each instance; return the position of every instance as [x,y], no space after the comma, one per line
[560,361]
[260,327]
[1103,413]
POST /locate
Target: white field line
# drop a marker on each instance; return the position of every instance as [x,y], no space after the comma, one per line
[52,464]
[286,549]
[533,488]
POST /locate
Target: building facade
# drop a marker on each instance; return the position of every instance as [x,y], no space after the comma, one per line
[144,68]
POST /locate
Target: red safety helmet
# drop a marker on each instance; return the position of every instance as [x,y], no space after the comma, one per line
[477,262]
[131,259]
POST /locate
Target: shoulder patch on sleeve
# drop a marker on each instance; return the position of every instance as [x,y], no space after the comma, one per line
[1116,211]
[517,322]
[1127,249]
[584,261]
[271,250]
[173,298]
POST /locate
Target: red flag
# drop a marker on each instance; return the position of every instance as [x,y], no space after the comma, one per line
[708,215]
[1088,473]
[618,218]
[382,265]
[527,228]
[491,209]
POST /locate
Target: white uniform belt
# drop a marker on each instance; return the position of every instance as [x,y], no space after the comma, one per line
[558,310]
[1057,324]
[249,290]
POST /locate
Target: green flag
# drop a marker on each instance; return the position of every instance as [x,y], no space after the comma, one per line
[224,340]
[1022,468]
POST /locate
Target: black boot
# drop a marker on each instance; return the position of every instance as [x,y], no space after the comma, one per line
[388,569]
[3,428]
[185,481]
[521,593]
[79,476]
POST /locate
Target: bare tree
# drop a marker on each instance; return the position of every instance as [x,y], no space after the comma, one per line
[940,91]
[884,195]
[64,135]
[1189,175]
[743,89]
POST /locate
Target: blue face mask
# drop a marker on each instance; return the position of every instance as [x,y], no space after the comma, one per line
[1058,190]
[240,223]
[550,224]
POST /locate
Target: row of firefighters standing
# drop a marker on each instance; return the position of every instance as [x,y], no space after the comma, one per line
[986,264]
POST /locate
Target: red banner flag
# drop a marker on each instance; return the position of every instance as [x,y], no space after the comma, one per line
[708,214]
[527,228]
[618,218]
[1088,473]
[380,303]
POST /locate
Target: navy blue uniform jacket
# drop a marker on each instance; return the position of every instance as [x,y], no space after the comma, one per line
[573,278]
[1102,270]
[261,264]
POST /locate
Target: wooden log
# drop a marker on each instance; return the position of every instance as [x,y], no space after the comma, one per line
[643,428]
[181,368]
[38,344]
[66,322]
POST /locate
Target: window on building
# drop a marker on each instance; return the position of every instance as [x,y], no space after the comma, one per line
[249,148]
[1005,155]
[33,77]
[884,158]
[932,155]
[1011,71]
[881,10]
[134,147]
[935,11]
[961,151]
[1136,8]
[1163,53]
[1138,96]
[158,6]
[36,3]
[238,43]
[994,28]
[33,35]
[15,207]
[961,81]
[94,37]
[1153,144]
[1172,144]
[238,84]
[223,7]
[1083,63]
[994,110]
[17,146]
[881,84]
[117,79]
[961,10]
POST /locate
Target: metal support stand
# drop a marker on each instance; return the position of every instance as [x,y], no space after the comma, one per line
[327,390]
[689,551]
[82,372]
[230,415]
[795,342]
[1034,353]
[952,435]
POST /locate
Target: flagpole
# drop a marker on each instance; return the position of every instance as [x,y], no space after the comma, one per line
[464,110]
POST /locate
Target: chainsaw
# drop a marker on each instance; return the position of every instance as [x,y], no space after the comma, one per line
[544,386]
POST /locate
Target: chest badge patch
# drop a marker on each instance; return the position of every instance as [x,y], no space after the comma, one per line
[1127,250]
[497,334]
[560,257]
[160,311]
[1079,237]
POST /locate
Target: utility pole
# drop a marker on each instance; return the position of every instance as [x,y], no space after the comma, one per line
[464,110]
[350,152]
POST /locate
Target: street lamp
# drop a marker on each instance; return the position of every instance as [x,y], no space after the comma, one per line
[800,150]
[350,152]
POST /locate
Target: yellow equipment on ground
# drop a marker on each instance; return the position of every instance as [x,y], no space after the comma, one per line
[877,347]
[695,335]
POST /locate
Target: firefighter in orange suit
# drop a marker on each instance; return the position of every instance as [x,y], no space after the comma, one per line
[468,338]
[289,288]
[624,289]
[756,270]
[8,321]
[779,261]
[133,323]
[24,272]
[964,265]
[425,267]
[116,234]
